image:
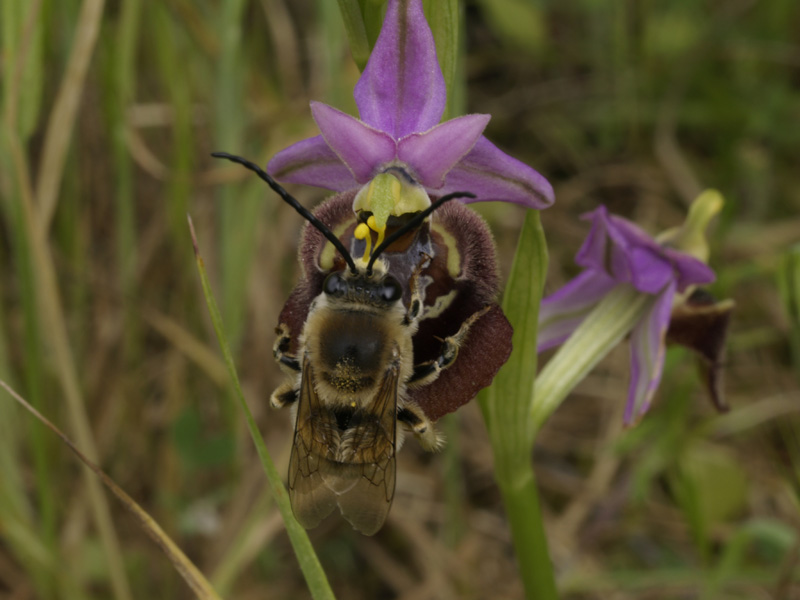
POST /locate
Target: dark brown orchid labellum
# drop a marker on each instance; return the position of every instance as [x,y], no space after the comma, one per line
[701,324]
[460,279]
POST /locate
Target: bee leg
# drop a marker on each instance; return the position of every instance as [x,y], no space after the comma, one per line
[415,306]
[280,350]
[416,422]
[285,395]
[427,372]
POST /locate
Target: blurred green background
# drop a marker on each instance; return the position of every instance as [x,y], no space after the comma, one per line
[109,112]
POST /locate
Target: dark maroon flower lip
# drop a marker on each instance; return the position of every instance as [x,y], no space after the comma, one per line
[401,99]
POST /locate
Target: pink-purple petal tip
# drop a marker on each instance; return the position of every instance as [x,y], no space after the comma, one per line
[402,89]
[311,162]
[435,152]
[361,147]
[493,175]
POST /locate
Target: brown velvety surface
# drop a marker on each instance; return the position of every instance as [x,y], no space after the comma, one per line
[488,345]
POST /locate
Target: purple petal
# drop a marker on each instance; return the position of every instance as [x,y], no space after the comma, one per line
[562,312]
[690,270]
[491,174]
[312,162]
[402,90]
[606,247]
[433,153]
[647,354]
[625,252]
[361,147]
[650,270]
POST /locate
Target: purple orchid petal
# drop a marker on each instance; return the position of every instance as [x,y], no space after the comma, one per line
[606,248]
[690,270]
[628,254]
[562,312]
[436,151]
[361,147]
[650,270]
[647,354]
[402,90]
[312,162]
[492,175]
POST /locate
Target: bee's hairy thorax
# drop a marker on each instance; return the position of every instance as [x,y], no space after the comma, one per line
[351,342]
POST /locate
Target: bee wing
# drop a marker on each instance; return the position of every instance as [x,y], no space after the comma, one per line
[315,442]
[370,474]
[354,468]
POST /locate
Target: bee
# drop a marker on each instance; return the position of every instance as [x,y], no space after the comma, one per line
[380,346]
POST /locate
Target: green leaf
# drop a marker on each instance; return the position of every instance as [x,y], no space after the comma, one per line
[506,407]
[444,19]
[356,31]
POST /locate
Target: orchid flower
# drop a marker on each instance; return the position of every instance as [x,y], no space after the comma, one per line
[401,98]
[618,256]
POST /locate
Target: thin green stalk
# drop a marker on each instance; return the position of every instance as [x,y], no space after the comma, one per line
[64,113]
[122,81]
[32,375]
[521,501]
[32,227]
[309,563]
[228,135]
[169,41]
[51,315]
[506,409]
[23,34]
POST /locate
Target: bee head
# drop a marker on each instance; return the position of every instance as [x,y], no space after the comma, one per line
[383,290]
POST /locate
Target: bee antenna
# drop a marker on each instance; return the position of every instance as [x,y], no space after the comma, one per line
[413,223]
[291,201]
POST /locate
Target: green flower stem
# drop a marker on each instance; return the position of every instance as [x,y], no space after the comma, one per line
[610,321]
[506,406]
[521,500]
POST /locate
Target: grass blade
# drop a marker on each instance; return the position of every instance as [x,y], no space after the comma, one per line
[65,111]
[53,319]
[182,564]
[309,563]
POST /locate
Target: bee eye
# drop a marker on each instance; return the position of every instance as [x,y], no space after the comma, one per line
[390,290]
[334,285]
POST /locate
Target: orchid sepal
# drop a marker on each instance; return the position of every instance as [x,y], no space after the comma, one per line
[603,329]
[401,97]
